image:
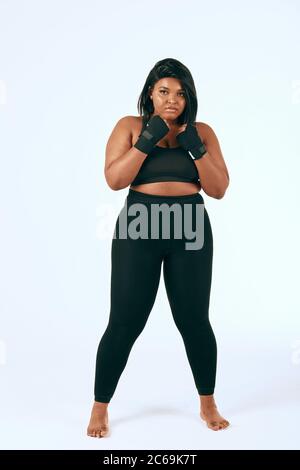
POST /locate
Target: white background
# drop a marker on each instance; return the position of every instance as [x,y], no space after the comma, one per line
[68,71]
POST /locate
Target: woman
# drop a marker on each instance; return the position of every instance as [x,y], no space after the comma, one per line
[166,158]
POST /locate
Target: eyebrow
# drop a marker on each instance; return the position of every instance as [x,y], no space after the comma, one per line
[180,89]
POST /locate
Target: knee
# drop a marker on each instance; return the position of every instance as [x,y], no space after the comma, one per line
[119,331]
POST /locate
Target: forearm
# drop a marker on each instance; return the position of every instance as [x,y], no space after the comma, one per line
[124,169]
[213,179]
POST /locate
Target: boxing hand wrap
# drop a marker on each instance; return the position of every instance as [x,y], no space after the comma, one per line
[156,128]
[190,140]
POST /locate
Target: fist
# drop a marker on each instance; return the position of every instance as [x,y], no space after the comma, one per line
[162,119]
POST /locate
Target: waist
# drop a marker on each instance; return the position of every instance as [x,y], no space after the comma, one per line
[138,196]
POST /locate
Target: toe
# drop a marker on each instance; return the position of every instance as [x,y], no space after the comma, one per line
[104,432]
[225,423]
[213,425]
[216,428]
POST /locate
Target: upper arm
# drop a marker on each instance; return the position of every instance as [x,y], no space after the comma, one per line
[120,140]
[212,145]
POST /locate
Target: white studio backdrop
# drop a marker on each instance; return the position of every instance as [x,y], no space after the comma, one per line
[68,71]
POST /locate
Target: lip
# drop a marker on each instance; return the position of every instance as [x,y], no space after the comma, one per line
[171,109]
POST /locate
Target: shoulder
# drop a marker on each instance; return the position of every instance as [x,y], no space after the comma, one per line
[127,120]
[206,132]
[130,123]
[130,120]
[202,126]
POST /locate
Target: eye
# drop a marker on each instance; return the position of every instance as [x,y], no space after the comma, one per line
[165,91]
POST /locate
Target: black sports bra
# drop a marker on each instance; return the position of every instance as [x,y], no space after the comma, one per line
[167,164]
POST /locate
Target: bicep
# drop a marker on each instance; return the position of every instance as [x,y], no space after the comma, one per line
[119,141]
[213,147]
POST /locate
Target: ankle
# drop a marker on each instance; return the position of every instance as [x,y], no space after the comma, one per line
[100,405]
[207,401]
[208,406]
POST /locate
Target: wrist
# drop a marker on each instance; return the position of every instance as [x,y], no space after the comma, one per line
[198,152]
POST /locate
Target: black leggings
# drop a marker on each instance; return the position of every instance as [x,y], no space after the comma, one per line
[135,277]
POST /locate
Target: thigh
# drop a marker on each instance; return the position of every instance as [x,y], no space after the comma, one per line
[187,276]
[135,276]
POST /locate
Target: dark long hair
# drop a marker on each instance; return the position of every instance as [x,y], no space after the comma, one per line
[169,68]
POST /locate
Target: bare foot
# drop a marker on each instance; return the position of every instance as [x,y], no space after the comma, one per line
[98,426]
[210,414]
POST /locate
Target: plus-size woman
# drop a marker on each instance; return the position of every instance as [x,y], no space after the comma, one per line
[165,158]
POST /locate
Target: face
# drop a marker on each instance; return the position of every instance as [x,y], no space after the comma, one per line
[168,92]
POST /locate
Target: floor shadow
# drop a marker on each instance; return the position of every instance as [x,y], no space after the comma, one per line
[153,411]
